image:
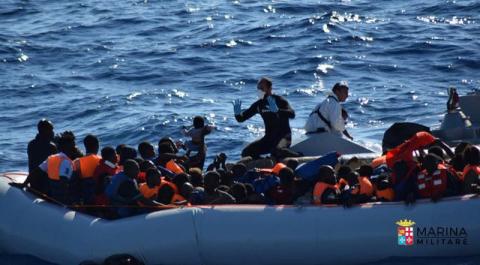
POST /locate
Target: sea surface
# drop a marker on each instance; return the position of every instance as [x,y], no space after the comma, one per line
[130,71]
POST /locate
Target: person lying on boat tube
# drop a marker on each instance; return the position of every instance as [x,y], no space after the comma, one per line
[275,112]
[329,116]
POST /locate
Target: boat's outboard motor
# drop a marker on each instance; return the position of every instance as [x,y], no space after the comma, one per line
[470,105]
[455,125]
[399,132]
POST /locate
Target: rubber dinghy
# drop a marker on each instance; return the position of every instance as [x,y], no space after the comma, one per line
[318,144]
[240,234]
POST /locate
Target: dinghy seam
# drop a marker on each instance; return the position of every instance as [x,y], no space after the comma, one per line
[197,240]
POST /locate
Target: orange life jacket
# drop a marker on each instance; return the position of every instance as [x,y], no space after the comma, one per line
[319,189]
[386,194]
[174,167]
[432,185]
[147,192]
[467,169]
[275,170]
[86,165]
[164,182]
[53,166]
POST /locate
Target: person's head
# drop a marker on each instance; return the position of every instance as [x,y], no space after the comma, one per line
[460,148]
[225,177]
[91,144]
[153,177]
[365,171]
[45,129]
[238,170]
[122,259]
[119,148]
[109,154]
[212,181]
[472,156]
[130,168]
[170,142]
[341,91]
[196,177]
[264,87]
[430,163]
[250,189]
[180,179]
[343,172]
[239,192]
[139,160]
[352,178]
[198,122]
[66,143]
[146,150]
[146,165]
[126,153]
[326,174]
[186,190]
[292,163]
[286,176]
[437,150]
[165,194]
[165,148]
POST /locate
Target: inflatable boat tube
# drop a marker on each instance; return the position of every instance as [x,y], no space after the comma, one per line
[319,144]
[240,234]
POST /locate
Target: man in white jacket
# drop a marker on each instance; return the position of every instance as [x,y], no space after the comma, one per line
[328,115]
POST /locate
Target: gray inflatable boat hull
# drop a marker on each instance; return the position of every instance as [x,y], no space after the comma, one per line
[233,235]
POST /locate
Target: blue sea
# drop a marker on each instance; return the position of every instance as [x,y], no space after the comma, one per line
[130,71]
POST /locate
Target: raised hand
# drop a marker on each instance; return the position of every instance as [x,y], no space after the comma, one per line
[237,106]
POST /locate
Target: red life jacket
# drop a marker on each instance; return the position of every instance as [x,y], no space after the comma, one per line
[432,185]
[405,151]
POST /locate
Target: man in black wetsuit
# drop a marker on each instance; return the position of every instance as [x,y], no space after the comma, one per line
[276,112]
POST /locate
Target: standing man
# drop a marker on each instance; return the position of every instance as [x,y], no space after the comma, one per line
[42,146]
[276,112]
[329,115]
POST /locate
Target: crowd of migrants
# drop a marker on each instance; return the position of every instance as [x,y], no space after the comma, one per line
[127,181]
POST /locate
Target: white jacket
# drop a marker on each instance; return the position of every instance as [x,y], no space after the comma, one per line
[331,110]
